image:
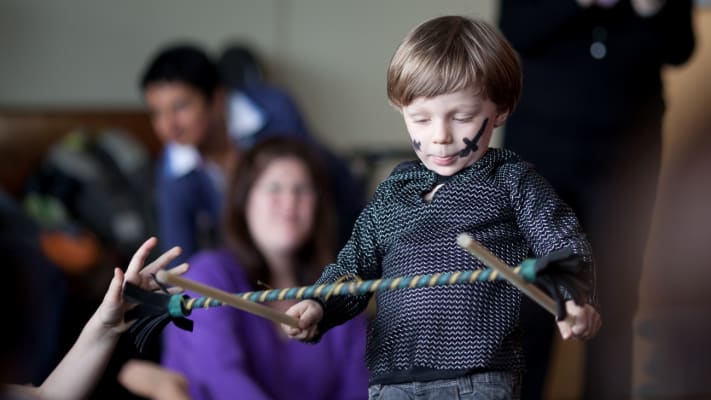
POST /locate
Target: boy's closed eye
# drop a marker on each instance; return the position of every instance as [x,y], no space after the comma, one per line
[463,118]
[419,120]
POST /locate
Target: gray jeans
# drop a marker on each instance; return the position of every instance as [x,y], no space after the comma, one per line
[481,386]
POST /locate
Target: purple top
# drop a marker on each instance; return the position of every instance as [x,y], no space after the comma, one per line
[233,354]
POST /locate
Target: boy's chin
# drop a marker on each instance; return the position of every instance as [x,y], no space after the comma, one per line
[446,170]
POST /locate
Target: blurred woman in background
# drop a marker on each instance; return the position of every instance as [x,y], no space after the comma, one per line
[279,224]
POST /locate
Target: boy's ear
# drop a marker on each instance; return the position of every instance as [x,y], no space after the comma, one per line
[500,119]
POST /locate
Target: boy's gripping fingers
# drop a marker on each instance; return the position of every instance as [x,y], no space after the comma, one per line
[594,322]
[587,322]
[308,313]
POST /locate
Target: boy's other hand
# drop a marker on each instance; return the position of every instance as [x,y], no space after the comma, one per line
[587,322]
[309,313]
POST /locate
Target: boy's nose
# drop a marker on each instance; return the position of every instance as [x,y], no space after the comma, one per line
[442,135]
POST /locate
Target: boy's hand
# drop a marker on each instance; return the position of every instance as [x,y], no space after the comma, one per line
[309,313]
[587,322]
[112,307]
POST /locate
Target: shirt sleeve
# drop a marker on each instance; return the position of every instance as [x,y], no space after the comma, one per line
[548,223]
[175,219]
[361,259]
[185,204]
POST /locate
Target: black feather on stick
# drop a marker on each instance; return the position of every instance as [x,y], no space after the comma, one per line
[153,311]
[559,274]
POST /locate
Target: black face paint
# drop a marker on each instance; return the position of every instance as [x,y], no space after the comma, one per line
[416,145]
[471,145]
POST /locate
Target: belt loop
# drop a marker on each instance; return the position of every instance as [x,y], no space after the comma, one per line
[464,384]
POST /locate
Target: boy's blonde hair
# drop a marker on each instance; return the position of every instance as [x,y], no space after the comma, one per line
[450,53]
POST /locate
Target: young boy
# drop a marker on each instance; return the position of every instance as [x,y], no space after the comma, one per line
[453,79]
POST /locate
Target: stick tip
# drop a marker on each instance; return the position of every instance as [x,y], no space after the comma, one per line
[162,276]
[464,239]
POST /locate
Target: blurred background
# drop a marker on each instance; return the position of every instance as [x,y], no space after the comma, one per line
[331,56]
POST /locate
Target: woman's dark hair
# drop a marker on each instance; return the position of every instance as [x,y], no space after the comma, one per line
[318,249]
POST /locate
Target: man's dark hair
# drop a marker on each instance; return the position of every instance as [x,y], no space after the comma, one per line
[186,64]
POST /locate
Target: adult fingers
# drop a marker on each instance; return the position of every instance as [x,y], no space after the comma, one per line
[162,261]
[139,257]
[113,293]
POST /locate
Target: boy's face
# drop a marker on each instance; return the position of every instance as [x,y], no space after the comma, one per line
[451,131]
[179,112]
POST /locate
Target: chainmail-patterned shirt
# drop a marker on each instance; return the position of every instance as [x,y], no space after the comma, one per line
[448,331]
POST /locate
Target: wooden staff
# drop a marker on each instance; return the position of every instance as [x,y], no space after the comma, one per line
[492,261]
[226,298]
